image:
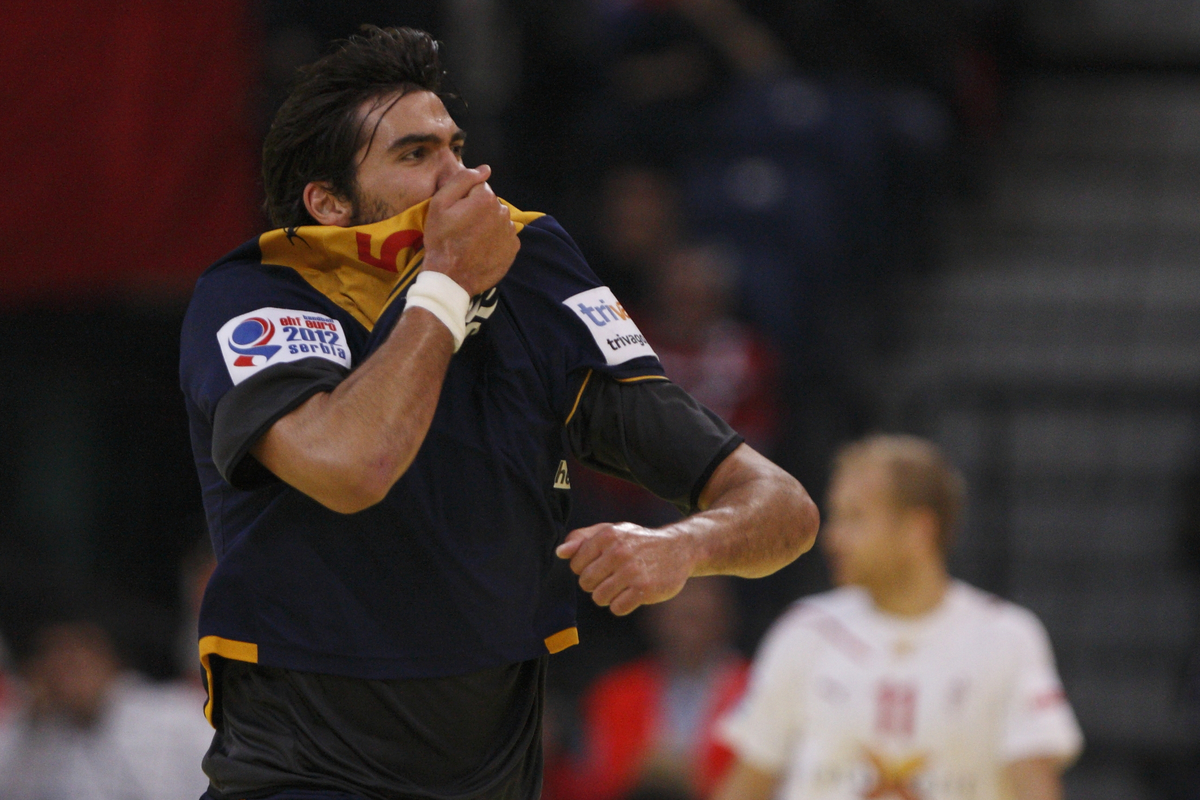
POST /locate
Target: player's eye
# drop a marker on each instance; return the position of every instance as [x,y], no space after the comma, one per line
[414,154]
[457,149]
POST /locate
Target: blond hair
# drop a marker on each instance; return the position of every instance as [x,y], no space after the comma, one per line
[919,476]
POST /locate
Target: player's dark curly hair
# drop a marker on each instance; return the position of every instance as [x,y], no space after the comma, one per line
[318,129]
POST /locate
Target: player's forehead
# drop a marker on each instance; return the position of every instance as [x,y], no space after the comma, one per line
[395,116]
[865,479]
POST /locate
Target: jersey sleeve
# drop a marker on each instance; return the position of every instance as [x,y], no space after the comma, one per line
[652,433]
[1038,720]
[567,314]
[256,343]
[764,728]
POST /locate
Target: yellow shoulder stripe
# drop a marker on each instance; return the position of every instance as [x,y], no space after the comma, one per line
[578,397]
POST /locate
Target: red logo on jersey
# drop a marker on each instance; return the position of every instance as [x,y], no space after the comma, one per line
[1050,699]
[392,246]
[252,338]
[896,709]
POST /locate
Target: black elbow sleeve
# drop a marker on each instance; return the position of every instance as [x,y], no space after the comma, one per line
[248,410]
[652,433]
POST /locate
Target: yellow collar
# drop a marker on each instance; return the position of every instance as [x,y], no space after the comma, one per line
[361,269]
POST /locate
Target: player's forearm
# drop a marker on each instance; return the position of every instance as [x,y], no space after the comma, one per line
[756,518]
[346,448]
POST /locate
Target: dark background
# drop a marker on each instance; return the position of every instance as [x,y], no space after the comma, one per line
[971,220]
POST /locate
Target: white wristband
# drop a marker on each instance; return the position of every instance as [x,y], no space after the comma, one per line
[441,296]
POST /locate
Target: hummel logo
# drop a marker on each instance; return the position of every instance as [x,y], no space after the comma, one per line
[561,479]
[482,307]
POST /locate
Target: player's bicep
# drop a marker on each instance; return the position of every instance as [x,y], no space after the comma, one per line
[652,433]
[246,369]
[246,447]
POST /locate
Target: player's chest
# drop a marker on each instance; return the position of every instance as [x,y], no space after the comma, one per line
[496,383]
[903,694]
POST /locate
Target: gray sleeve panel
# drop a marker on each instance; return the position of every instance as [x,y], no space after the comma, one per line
[652,433]
[249,409]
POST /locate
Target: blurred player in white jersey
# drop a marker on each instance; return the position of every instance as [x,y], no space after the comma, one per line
[903,684]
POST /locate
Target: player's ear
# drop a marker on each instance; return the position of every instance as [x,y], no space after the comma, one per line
[325,206]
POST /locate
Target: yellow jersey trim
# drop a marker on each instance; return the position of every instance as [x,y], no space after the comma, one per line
[578,397]
[568,637]
[643,378]
[226,648]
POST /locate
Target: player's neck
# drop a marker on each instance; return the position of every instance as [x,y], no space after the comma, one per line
[914,592]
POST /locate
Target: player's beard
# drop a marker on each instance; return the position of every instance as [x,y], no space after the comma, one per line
[369,209]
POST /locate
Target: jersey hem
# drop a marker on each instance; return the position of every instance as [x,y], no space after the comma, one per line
[440,665]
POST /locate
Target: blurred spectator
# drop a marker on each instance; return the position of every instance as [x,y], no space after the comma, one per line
[647,725]
[945,46]
[679,49]
[6,683]
[640,223]
[723,363]
[85,728]
[296,34]
[670,59]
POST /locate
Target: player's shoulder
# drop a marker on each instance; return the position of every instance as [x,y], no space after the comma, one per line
[541,227]
[238,270]
[810,616]
[993,616]
[239,282]
[546,244]
[841,602]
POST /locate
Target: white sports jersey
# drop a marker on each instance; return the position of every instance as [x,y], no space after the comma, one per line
[846,702]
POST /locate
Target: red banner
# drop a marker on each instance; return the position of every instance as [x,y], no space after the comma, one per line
[128,151]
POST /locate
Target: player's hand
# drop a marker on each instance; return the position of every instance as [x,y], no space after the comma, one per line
[469,234]
[624,566]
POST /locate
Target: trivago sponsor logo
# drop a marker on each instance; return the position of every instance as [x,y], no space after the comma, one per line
[251,342]
[604,312]
[610,325]
[617,342]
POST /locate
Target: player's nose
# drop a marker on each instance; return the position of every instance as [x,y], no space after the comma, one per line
[448,166]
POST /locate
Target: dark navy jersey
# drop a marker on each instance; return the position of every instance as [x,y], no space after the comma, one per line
[454,570]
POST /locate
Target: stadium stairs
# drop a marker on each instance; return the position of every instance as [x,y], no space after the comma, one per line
[1056,355]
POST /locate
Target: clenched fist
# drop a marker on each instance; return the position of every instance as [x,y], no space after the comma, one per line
[624,565]
[469,234]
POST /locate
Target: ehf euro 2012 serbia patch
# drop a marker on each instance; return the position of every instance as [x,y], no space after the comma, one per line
[269,336]
[610,325]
